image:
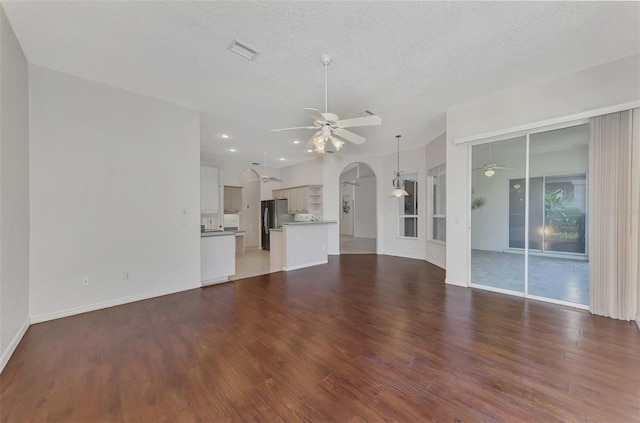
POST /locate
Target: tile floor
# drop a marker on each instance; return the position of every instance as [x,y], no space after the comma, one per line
[550,277]
[253,262]
[353,245]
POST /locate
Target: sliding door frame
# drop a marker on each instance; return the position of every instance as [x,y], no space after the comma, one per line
[503,137]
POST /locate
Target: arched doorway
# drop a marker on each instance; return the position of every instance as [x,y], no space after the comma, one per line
[358,219]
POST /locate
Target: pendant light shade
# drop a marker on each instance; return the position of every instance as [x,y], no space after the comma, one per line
[398,179]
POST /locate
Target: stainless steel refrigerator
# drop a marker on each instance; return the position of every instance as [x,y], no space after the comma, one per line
[273,213]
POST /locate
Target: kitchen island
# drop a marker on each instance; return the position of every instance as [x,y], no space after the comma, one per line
[301,244]
[218,259]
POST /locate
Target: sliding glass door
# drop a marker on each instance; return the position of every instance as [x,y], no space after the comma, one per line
[498,218]
[559,268]
[529,215]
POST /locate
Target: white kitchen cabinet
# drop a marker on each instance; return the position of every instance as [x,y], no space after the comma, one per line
[209,190]
[232,199]
[304,199]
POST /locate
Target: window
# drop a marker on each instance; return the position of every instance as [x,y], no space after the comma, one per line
[438,210]
[408,224]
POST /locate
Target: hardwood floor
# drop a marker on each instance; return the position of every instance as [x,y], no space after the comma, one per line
[363,338]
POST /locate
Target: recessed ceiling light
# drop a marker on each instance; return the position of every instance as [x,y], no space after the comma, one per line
[309,151]
[296,141]
[224,136]
[233,150]
[282,159]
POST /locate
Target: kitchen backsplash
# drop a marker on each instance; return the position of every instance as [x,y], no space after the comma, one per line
[303,217]
[231,220]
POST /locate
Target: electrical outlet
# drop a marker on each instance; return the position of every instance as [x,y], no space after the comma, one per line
[85,281]
[126,276]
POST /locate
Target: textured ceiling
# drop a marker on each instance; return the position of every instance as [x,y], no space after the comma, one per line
[408,62]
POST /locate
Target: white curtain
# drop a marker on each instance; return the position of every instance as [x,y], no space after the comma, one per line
[613,216]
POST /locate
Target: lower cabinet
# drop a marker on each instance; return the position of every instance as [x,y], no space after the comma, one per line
[218,258]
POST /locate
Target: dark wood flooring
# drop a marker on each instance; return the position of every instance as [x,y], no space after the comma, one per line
[364,338]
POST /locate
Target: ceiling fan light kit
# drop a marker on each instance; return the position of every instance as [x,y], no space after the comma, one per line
[398,178]
[328,125]
[489,173]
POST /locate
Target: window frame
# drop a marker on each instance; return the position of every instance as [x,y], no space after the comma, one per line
[415,178]
[432,217]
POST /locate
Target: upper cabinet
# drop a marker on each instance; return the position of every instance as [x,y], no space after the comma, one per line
[232,199]
[209,189]
[304,199]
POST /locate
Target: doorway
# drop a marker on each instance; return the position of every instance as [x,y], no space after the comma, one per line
[254,261]
[529,215]
[358,219]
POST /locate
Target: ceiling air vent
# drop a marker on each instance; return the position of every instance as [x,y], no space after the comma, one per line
[366,113]
[240,48]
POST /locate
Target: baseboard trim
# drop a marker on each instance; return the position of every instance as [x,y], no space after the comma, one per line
[638,322]
[450,282]
[6,355]
[111,303]
[302,266]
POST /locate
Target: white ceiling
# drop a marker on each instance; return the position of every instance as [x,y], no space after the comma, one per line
[408,62]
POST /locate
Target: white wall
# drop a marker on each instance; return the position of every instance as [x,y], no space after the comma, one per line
[348,192]
[364,213]
[435,154]
[14,192]
[603,86]
[111,172]
[307,173]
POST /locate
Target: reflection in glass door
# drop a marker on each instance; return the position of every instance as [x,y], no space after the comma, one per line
[559,267]
[529,223]
[498,216]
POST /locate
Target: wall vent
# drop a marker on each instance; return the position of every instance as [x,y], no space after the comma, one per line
[242,49]
[367,113]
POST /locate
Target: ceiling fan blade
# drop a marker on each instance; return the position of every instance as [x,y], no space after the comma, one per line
[479,168]
[361,121]
[349,136]
[316,115]
[296,127]
[503,168]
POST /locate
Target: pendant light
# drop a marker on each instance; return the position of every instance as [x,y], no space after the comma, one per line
[398,179]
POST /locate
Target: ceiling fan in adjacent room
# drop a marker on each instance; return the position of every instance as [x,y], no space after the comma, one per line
[489,169]
[264,177]
[328,126]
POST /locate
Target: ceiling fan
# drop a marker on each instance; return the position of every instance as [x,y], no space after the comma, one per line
[328,126]
[489,169]
[266,178]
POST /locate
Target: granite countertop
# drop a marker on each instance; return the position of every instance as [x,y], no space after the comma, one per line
[309,222]
[216,233]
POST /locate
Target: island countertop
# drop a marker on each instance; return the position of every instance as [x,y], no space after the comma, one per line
[216,233]
[317,222]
